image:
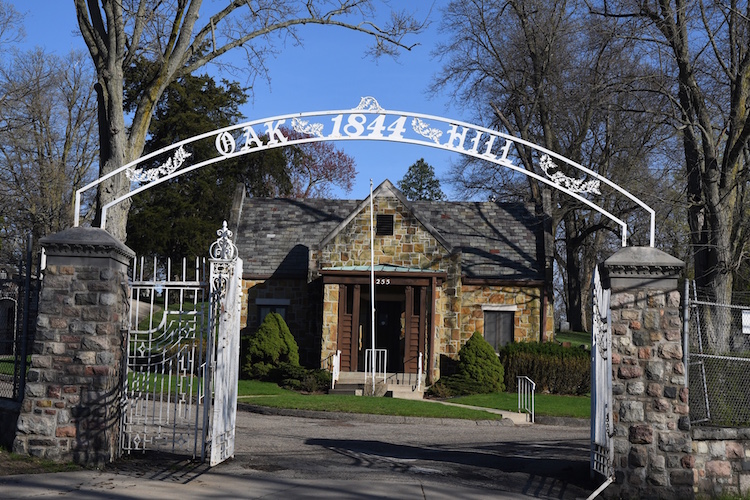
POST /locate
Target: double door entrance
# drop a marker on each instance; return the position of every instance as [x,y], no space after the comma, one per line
[403,319]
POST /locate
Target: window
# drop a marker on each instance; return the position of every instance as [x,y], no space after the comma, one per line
[267,306]
[498,327]
[384,226]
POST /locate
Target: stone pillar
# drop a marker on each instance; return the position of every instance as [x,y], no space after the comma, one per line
[652,442]
[71,408]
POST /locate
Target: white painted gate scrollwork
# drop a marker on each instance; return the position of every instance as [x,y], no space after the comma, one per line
[601,381]
[226,276]
[182,355]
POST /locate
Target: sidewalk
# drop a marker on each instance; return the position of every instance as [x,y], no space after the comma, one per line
[217,484]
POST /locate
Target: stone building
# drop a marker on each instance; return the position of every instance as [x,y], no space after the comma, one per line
[442,271]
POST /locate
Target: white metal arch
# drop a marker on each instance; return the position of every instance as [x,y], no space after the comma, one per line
[368,121]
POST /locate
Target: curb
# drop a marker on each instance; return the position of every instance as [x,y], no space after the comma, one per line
[394,419]
[562,421]
[367,417]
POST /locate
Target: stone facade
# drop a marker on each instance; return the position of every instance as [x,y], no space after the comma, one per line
[71,408]
[527,302]
[457,257]
[410,245]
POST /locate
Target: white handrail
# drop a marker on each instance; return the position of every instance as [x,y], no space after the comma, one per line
[419,373]
[526,388]
[381,361]
[335,369]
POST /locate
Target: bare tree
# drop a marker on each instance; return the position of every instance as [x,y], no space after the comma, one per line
[47,140]
[702,47]
[11,30]
[169,34]
[542,71]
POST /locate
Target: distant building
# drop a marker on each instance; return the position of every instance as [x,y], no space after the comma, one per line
[443,270]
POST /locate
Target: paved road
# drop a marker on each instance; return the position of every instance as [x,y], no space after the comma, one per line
[352,457]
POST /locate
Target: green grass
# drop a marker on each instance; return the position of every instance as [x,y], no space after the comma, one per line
[269,394]
[368,405]
[7,366]
[551,405]
[13,463]
[575,338]
[258,388]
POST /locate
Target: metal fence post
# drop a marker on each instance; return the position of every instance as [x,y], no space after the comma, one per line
[21,376]
[686,331]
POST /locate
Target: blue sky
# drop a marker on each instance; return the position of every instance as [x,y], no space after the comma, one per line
[329,72]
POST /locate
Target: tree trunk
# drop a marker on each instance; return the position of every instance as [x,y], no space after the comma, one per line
[572,260]
[113,154]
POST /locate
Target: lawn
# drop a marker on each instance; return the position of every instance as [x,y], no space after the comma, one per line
[551,405]
[575,338]
[271,395]
[268,394]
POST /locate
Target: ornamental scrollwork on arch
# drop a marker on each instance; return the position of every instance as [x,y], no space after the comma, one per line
[152,174]
[559,178]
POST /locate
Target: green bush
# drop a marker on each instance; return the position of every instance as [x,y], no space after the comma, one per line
[479,371]
[267,349]
[555,369]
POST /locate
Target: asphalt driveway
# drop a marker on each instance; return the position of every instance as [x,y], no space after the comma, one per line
[348,456]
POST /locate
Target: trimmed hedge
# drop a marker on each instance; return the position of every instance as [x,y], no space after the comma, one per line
[555,369]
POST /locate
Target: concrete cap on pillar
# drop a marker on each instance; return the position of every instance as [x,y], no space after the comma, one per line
[642,267]
[88,245]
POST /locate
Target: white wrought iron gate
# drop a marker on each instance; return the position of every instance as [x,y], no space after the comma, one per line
[601,382]
[182,355]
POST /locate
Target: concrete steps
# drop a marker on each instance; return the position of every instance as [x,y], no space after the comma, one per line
[396,385]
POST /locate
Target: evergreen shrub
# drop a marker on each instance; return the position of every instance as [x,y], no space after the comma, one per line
[479,371]
[271,354]
[265,350]
[555,369]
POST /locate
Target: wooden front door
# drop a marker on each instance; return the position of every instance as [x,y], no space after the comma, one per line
[348,328]
[414,327]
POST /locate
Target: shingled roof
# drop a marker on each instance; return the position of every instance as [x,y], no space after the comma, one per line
[496,240]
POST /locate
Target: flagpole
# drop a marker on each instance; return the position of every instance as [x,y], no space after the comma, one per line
[372,289]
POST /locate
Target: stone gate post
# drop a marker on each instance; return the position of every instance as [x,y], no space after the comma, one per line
[71,408]
[652,442]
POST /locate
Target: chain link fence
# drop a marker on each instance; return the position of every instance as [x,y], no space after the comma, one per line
[19,299]
[719,362]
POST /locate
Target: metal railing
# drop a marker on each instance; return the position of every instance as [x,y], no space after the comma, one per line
[526,388]
[381,362]
[335,368]
[419,373]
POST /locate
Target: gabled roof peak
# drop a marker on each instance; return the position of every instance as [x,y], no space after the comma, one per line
[386,189]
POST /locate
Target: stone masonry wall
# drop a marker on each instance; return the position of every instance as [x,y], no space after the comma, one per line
[652,431]
[330,323]
[72,400]
[527,315]
[409,246]
[722,461]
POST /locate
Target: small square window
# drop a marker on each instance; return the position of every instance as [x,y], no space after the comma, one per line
[384,226]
